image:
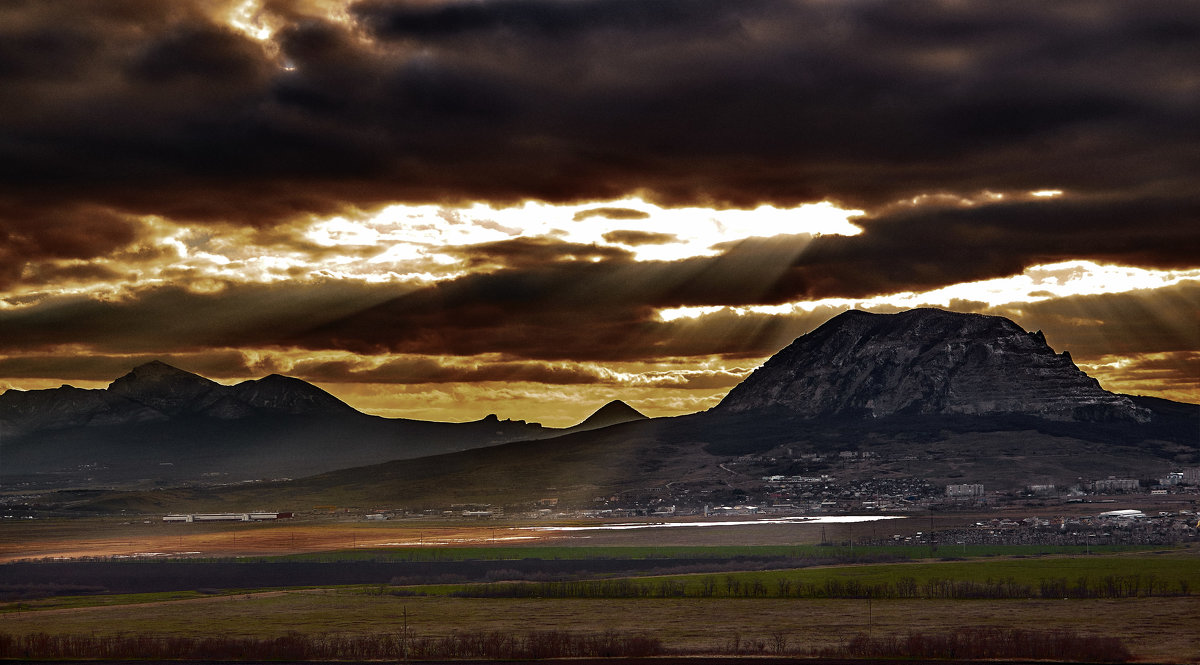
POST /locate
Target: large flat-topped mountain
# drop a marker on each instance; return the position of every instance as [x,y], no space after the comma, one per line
[925,361]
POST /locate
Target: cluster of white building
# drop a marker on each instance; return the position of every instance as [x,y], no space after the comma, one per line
[226,517]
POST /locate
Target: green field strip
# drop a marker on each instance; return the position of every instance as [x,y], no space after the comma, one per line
[1172,573]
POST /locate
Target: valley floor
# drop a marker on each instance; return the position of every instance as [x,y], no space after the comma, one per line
[147,536]
[1156,629]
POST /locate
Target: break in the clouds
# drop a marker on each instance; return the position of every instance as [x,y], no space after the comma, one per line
[516,193]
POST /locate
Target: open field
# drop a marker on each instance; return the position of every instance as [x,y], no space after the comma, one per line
[1155,630]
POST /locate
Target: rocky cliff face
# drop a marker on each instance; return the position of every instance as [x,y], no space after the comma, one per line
[925,361]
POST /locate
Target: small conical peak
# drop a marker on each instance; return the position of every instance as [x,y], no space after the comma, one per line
[613,413]
[281,379]
[617,407]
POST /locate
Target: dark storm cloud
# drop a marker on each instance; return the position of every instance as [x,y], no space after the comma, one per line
[611,213]
[83,273]
[635,238]
[57,232]
[91,367]
[432,370]
[177,320]
[160,108]
[532,252]
[926,247]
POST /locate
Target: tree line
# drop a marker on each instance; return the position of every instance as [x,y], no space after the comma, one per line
[980,643]
[963,643]
[295,646]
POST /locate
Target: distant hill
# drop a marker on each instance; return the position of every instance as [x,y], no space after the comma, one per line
[926,394]
[613,413]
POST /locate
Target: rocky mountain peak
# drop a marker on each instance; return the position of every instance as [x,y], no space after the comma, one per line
[925,361]
[165,388]
[288,395]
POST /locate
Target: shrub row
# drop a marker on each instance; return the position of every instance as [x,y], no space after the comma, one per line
[989,643]
[299,647]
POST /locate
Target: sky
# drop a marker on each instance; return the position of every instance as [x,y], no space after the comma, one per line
[443,209]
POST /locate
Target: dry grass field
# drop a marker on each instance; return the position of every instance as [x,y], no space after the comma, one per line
[1159,630]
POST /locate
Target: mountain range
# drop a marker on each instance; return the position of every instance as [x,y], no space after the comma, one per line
[926,394]
[165,425]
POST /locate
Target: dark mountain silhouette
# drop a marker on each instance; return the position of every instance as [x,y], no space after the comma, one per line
[156,392]
[946,397]
[161,423]
[167,390]
[615,412]
[284,394]
[929,362]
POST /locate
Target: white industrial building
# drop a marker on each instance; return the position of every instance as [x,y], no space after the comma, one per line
[967,490]
[226,517]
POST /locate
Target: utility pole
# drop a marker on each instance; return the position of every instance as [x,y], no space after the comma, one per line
[932,539]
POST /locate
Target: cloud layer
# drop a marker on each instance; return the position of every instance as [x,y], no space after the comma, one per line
[144,141]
